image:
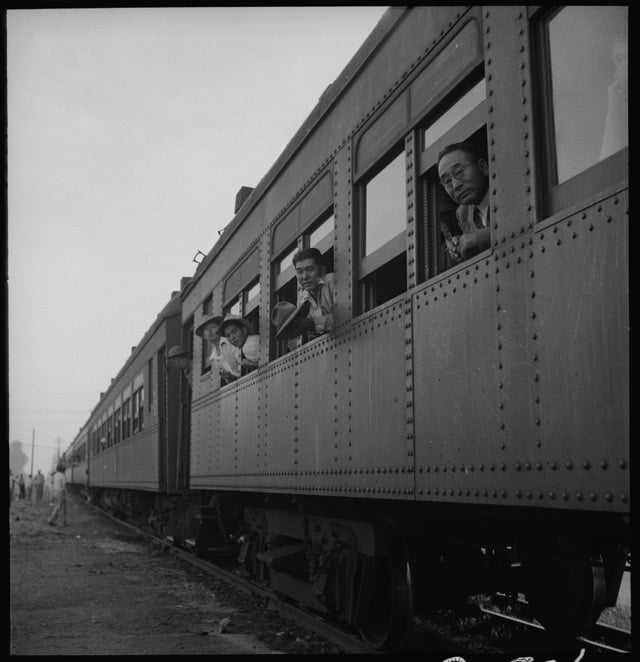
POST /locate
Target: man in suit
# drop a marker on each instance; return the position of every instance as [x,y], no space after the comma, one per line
[465,177]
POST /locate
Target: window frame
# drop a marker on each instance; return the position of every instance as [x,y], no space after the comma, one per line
[556,197]
[369,264]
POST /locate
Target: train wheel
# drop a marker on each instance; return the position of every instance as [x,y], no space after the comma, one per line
[567,591]
[390,605]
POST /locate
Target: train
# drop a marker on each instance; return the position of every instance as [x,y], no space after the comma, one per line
[464,428]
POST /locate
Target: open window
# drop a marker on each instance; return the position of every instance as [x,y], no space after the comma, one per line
[318,234]
[205,365]
[381,199]
[117,421]
[460,118]
[582,83]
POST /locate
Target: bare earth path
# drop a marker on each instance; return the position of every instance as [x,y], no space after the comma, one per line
[94,588]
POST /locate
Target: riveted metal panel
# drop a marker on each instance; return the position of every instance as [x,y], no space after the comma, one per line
[315,442]
[279,423]
[509,121]
[247,412]
[137,461]
[227,440]
[209,446]
[379,400]
[457,437]
[580,288]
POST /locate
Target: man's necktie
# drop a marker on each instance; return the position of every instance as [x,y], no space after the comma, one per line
[477,217]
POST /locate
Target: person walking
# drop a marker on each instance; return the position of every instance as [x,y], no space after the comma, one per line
[59,498]
[37,488]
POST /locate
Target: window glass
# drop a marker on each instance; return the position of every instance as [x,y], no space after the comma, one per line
[323,230]
[234,308]
[471,100]
[385,205]
[253,292]
[286,261]
[588,52]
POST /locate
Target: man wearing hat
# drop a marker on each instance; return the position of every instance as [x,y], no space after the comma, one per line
[314,313]
[222,357]
[237,330]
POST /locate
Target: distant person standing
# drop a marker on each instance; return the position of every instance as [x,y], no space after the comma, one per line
[37,488]
[21,486]
[11,482]
[28,483]
[59,498]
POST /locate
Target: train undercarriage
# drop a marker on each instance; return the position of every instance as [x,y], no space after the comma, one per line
[373,567]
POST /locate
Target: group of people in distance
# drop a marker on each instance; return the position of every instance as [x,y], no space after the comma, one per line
[463,173]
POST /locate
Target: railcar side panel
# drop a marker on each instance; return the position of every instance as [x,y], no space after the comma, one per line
[379,400]
[581,292]
[317,446]
[459,442]
[246,421]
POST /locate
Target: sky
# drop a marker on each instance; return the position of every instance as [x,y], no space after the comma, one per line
[130,131]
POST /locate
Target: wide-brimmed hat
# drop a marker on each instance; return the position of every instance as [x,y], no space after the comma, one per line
[285,314]
[216,319]
[235,319]
[177,351]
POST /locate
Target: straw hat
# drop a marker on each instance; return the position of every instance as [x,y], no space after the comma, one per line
[285,314]
[235,319]
[177,351]
[216,319]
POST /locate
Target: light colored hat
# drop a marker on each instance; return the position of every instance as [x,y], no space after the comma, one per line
[235,319]
[177,351]
[216,319]
[284,314]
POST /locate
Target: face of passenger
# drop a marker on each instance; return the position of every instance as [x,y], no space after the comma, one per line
[309,273]
[210,331]
[466,181]
[181,362]
[235,334]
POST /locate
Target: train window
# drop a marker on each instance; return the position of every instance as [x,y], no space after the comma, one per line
[150,383]
[318,234]
[285,262]
[110,431]
[246,304]
[205,365]
[383,222]
[583,106]
[126,419]
[134,411]
[116,426]
[384,212]
[137,409]
[462,118]
[141,408]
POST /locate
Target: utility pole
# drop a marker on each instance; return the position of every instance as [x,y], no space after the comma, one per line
[33,445]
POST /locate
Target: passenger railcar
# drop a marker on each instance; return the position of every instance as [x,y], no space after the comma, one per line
[76,463]
[464,428]
[132,433]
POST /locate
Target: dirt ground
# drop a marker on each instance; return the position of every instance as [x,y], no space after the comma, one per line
[95,588]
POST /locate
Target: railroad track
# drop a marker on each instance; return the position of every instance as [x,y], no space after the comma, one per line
[427,640]
[603,638]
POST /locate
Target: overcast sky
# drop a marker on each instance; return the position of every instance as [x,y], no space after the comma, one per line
[130,132]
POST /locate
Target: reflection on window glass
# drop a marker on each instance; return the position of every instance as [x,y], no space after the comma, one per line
[321,232]
[385,205]
[471,100]
[589,72]
[235,308]
[286,261]
[253,291]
